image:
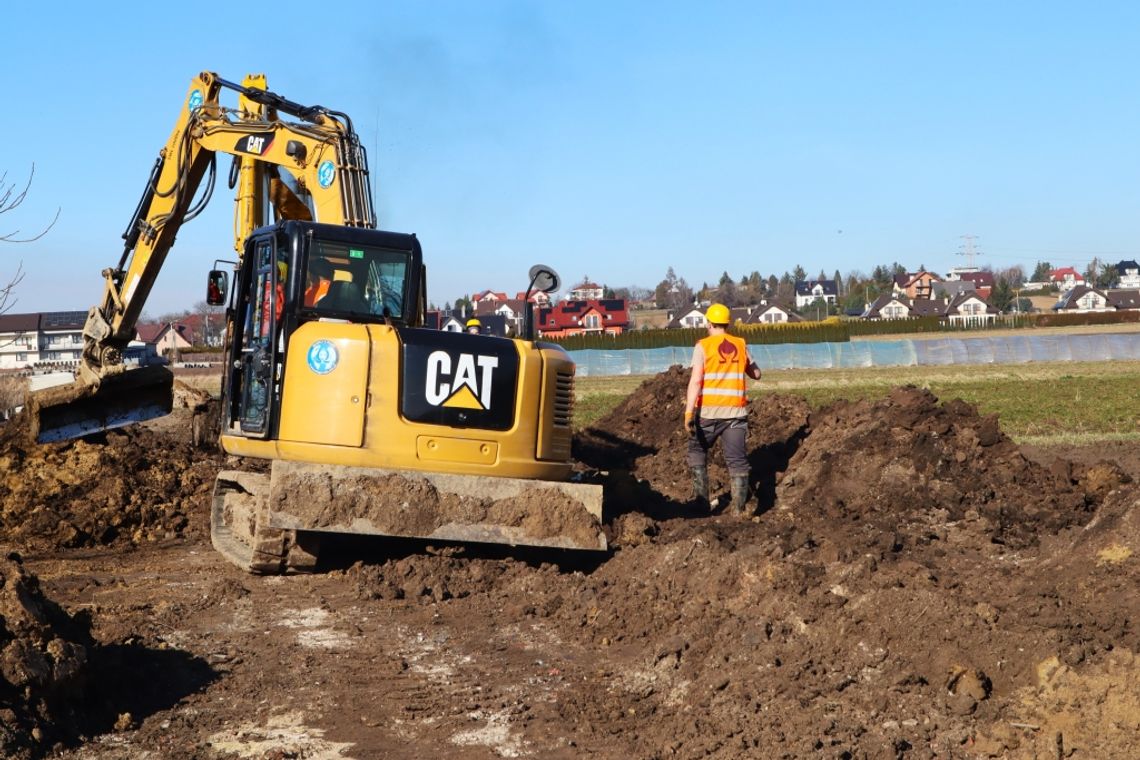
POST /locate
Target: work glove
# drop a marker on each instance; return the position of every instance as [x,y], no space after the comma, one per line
[690,424]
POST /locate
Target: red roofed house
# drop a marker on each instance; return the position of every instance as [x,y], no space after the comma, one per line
[1066,278]
[593,316]
[203,329]
[983,282]
[164,339]
[489,296]
[538,297]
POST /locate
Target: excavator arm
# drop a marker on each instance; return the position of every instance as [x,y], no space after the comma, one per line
[311,167]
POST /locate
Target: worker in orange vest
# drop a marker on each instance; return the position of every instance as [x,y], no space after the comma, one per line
[318,280]
[716,408]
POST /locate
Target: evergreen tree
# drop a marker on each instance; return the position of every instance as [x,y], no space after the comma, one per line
[1041,271]
[1002,295]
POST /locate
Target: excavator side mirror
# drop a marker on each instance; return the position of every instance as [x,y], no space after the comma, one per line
[217,286]
[543,279]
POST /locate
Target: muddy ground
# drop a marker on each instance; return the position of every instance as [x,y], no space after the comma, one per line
[914,585]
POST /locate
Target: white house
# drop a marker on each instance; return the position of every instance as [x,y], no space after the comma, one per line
[1128,275]
[967,309]
[810,291]
[1084,299]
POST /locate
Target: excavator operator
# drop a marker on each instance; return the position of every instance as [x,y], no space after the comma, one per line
[318,281]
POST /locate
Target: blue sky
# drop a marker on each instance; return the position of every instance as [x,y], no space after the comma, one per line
[609,140]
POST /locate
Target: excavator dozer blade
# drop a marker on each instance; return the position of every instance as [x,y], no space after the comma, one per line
[81,408]
[440,506]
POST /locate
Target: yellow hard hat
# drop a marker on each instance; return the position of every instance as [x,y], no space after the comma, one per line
[474,323]
[718,314]
[282,269]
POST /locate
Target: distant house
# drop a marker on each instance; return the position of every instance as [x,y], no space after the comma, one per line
[19,340]
[539,297]
[810,291]
[770,314]
[452,323]
[1084,299]
[595,316]
[50,339]
[61,336]
[1124,300]
[916,284]
[203,329]
[1066,278]
[165,337]
[952,288]
[968,309]
[488,296]
[1128,275]
[511,311]
[585,291]
[896,306]
[983,282]
[694,317]
[750,315]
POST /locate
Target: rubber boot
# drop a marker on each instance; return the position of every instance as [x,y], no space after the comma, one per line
[739,505]
[701,486]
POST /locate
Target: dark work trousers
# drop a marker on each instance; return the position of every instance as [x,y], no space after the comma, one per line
[733,434]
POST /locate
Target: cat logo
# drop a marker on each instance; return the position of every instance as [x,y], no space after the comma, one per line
[468,387]
[258,143]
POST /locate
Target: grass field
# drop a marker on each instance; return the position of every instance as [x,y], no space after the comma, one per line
[1073,403]
[1054,402]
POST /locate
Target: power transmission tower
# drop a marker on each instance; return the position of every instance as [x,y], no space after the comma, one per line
[969,251]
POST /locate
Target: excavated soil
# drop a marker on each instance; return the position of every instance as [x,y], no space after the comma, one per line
[913,585]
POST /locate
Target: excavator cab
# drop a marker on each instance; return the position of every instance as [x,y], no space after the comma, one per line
[294,273]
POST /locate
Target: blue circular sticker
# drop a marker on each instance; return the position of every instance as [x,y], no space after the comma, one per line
[195,101]
[322,357]
[326,172]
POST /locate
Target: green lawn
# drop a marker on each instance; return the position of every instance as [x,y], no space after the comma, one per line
[1055,402]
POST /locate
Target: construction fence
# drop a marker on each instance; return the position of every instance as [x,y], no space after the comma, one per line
[1005,349]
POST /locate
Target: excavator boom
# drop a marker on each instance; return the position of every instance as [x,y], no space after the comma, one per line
[323,161]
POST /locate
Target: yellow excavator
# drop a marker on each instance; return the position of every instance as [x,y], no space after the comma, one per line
[373,423]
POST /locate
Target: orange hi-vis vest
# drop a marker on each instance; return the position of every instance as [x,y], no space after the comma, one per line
[722,394]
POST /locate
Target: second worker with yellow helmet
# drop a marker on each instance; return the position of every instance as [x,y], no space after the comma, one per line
[716,408]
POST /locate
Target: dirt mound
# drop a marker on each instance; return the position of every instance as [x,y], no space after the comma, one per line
[898,457]
[43,657]
[126,486]
[877,461]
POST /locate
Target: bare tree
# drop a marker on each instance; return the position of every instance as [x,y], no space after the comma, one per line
[11,196]
[8,290]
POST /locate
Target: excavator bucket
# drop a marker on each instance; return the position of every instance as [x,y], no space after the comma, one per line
[81,407]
